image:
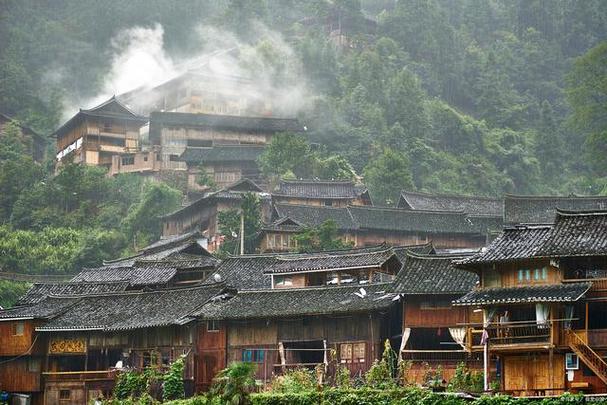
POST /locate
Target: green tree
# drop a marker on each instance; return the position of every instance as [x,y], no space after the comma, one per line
[142,221]
[287,152]
[230,224]
[587,95]
[324,237]
[234,384]
[387,175]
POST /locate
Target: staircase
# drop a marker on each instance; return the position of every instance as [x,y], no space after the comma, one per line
[587,355]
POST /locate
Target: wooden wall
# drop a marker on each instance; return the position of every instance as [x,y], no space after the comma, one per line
[211,354]
[21,375]
[506,275]
[523,374]
[77,391]
[439,240]
[15,345]
[414,316]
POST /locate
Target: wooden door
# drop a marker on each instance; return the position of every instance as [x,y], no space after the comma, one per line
[526,375]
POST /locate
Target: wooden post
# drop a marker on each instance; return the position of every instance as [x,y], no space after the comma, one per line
[586,320]
[551,367]
[241,233]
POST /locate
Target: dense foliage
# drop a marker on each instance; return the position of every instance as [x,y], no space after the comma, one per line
[466,96]
[230,222]
[323,237]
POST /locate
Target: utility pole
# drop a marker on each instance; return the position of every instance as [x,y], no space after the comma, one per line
[242,232]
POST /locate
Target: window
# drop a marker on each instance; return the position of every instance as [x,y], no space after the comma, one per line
[352,352]
[18,328]
[572,362]
[527,274]
[283,281]
[145,158]
[253,355]
[212,326]
[128,160]
[65,394]
[107,126]
[521,275]
[33,365]
[328,203]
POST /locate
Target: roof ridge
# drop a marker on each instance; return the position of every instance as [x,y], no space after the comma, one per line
[443,256]
[562,197]
[316,181]
[426,194]
[572,213]
[314,288]
[395,209]
[141,292]
[326,254]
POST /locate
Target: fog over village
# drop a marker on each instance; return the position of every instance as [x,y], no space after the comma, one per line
[283,202]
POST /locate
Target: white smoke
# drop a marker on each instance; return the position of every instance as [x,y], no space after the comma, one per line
[139,60]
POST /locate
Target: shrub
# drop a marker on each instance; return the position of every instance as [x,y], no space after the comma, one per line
[173,387]
[130,384]
[234,384]
[294,381]
[465,380]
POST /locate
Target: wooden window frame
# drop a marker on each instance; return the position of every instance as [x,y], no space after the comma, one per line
[18,328]
[212,327]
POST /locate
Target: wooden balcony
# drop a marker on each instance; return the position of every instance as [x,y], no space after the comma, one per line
[59,376]
[441,356]
[598,284]
[512,336]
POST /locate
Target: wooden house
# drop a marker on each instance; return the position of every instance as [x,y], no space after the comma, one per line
[542,297]
[174,132]
[527,209]
[201,91]
[36,144]
[202,214]
[434,332]
[311,327]
[93,136]
[328,193]
[369,226]
[486,212]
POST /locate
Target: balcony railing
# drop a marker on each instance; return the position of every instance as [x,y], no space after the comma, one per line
[431,356]
[598,284]
[513,333]
[79,375]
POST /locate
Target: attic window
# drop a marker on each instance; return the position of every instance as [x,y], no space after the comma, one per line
[18,328]
[283,281]
[212,326]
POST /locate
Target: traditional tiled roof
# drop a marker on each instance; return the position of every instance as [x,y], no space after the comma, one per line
[577,234]
[315,216]
[227,122]
[165,248]
[221,153]
[515,243]
[528,294]
[350,259]
[135,276]
[402,252]
[246,272]
[45,309]
[378,218]
[111,108]
[541,209]
[284,224]
[213,198]
[292,302]
[400,220]
[433,274]
[40,291]
[328,189]
[441,202]
[133,310]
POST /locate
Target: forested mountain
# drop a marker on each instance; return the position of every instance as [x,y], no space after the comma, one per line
[467,96]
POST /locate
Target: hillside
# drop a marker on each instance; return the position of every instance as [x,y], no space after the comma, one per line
[467,96]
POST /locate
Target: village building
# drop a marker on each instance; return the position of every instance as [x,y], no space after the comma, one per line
[369,226]
[434,332]
[527,209]
[202,215]
[201,91]
[36,144]
[543,299]
[282,329]
[486,212]
[329,193]
[93,136]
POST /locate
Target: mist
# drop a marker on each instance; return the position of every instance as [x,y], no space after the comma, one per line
[140,60]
